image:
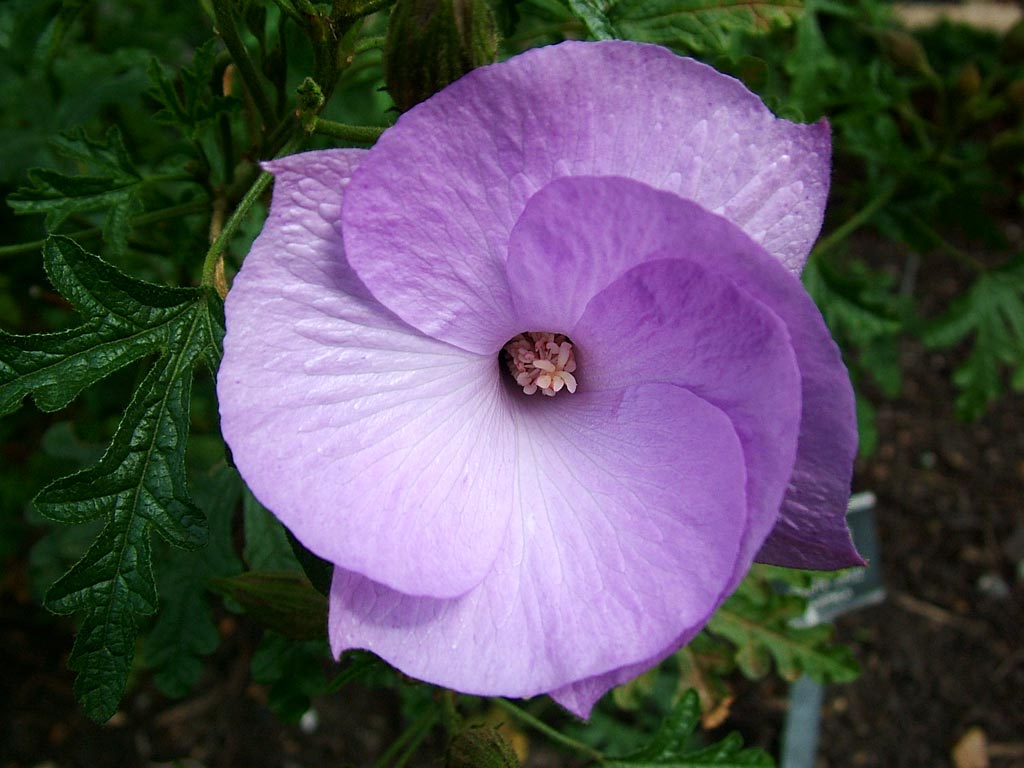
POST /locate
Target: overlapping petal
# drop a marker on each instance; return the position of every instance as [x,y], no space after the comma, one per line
[429,213]
[384,451]
[629,508]
[578,235]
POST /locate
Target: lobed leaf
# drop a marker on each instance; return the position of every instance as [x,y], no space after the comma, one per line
[112,185]
[139,483]
[697,25]
[673,747]
[992,311]
[756,620]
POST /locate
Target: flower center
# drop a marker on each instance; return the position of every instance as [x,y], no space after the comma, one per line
[543,361]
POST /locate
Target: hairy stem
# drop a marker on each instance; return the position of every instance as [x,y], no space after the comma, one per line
[359,134]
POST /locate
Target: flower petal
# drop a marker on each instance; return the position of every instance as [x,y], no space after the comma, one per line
[629,511]
[673,321]
[429,212]
[577,236]
[384,451]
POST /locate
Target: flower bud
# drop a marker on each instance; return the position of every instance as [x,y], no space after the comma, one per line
[431,43]
[904,50]
[481,747]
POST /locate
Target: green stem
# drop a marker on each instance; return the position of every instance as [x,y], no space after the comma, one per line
[856,221]
[240,54]
[369,44]
[409,740]
[196,206]
[220,244]
[231,226]
[359,134]
[539,725]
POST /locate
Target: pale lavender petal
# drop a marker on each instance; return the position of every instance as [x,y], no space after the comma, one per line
[577,236]
[384,451]
[430,211]
[674,321]
[629,512]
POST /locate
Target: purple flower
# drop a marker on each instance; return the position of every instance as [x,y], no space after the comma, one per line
[607,223]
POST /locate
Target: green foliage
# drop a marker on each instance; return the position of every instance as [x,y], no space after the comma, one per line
[673,746]
[698,26]
[992,312]
[139,483]
[690,26]
[266,542]
[865,313]
[292,670]
[112,185]
[188,100]
[756,621]
[185,629]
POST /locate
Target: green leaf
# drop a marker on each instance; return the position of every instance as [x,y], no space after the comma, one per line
[111,183]
[696,25]
[673,744]
[756,620]
[188,99]
[185,630]
[125,319]
[592,14]
[283,601]
[293,670]
[866,315]
[139,483]
[266,541]
[992,312]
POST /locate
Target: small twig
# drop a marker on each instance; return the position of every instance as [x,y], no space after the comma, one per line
[937,614]
[196,206]
[856,221]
